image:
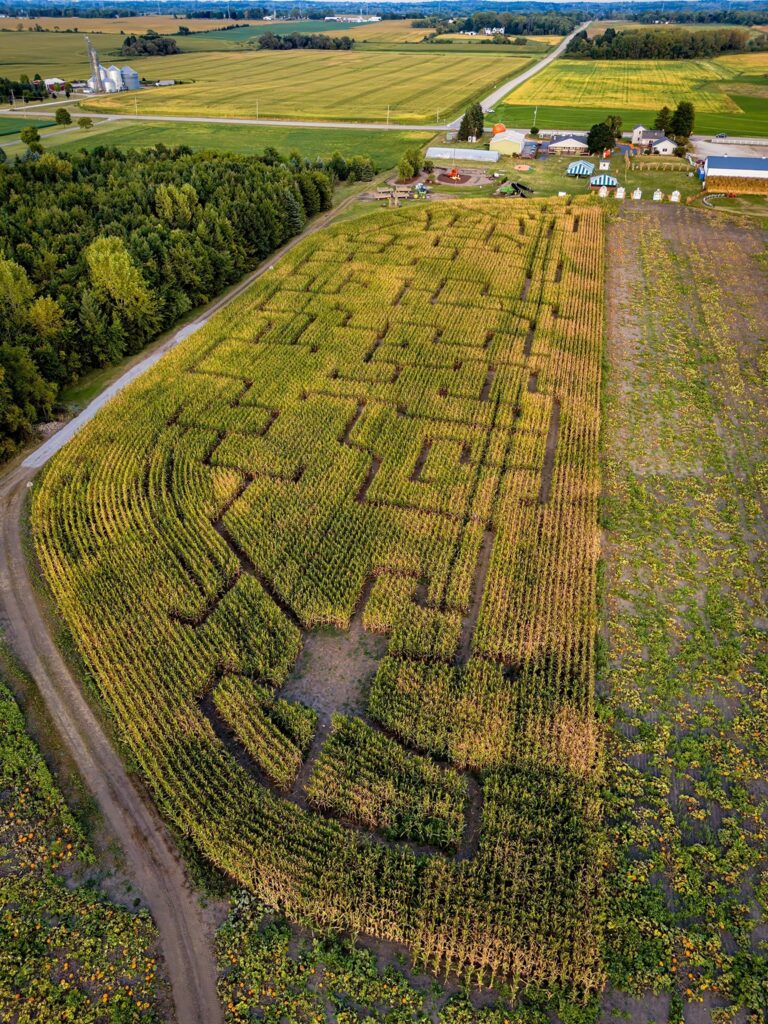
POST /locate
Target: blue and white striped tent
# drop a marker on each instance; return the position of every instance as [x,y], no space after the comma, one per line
[580,169]
[603,179]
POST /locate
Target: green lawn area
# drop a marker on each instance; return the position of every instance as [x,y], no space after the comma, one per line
[384,148]
[547,177]
[730,94]
[12,125]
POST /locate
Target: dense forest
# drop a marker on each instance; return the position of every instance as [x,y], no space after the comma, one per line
[151,44]
[101,252]
[662,44]
[304,41]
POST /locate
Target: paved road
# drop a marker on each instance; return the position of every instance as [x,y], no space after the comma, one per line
[498,94]
[151,858]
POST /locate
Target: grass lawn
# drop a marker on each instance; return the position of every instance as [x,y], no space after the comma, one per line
[315,84]
[547,177]
[11,125]
[384,148]
[574,94]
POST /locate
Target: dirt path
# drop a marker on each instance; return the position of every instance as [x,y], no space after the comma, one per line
[152,860]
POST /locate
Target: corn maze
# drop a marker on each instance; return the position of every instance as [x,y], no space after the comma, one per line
[397,426]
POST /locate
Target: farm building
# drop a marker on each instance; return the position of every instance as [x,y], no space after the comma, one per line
[453,154]
[508,142]
[567,144]
[580,169]
[664,146]
[736,174]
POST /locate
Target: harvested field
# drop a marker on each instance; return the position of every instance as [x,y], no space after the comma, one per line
[686,616]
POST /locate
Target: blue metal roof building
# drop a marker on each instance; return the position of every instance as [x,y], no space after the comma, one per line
[737,163]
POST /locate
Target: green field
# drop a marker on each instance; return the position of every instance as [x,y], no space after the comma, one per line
[573,94]
[315,84]
[12,125]
[384,148]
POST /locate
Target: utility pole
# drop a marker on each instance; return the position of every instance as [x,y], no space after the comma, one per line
[387,114]
[535,115]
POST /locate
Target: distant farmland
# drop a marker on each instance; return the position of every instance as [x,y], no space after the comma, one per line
[316,84]
[576,93]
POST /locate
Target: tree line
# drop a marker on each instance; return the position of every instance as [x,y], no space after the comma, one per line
[514,24]
[22,91]
[151,44]
[101,251]
[303,41]
[662,44]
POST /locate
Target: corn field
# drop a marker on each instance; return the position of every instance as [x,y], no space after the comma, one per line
[399,422]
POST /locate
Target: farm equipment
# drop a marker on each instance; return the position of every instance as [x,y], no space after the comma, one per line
[516,189]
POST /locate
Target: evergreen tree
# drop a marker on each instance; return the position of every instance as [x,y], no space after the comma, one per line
[663,122]
[682,121]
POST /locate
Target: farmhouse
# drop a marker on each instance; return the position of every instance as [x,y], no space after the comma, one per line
[645,137]
[568,144]
[736,174]
[508,142]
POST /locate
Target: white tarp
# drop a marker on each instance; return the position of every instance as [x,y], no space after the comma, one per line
[454,154]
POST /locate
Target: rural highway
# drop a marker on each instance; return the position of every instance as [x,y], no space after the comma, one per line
[152,861]
[491,100]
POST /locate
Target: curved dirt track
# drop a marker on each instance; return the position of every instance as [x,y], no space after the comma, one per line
[152,861]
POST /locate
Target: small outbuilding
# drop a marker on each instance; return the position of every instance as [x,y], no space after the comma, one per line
[509,142]
[603,181]
[664,147]
[580,169]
